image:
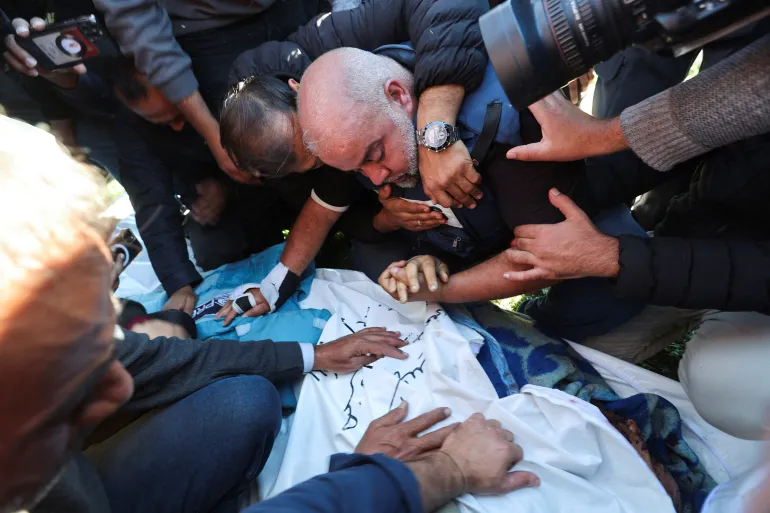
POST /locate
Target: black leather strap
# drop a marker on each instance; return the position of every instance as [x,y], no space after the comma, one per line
[488,132]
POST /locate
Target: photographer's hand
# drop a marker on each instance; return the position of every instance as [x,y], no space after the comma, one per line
[569,133]
[20,60]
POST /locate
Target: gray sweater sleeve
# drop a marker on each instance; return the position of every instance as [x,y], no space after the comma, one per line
[728,102]
[144,31]
[167,369]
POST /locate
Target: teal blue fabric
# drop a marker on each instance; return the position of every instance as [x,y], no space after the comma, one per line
[290,323]
[515,354]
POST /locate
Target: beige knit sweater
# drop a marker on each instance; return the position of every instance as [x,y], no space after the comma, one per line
[728,102]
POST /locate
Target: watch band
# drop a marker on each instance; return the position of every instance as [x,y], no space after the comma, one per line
[453,135]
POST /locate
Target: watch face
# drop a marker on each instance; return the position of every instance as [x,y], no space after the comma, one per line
[435,135]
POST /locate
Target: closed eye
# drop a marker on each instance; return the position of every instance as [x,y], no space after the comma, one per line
[378,155]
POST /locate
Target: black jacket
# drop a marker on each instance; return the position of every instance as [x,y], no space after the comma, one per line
[156,164]
[444,33]
[712,250]
[165,371]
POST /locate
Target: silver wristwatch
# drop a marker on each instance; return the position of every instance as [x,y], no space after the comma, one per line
[437,136]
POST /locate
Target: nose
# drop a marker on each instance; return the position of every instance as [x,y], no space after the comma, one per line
[376,173]
[177,125]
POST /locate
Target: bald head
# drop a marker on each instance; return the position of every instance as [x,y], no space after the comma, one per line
[352,105]
[56,314]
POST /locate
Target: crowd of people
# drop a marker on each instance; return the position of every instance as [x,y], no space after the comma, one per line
[228,123]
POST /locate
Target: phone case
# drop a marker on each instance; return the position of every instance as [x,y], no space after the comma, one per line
[71,42]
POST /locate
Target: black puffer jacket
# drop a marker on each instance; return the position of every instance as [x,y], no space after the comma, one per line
[444,33]
[724,261]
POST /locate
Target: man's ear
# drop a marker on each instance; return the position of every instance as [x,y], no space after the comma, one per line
[293,85]
[399,95]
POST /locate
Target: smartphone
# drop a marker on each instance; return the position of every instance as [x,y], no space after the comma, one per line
[125,245]
[70,42]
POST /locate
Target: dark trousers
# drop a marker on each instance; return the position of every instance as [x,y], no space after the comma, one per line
[194,456]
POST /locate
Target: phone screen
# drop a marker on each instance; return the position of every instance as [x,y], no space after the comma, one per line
[67,46]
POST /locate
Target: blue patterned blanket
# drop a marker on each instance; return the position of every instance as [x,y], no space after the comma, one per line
[516,354]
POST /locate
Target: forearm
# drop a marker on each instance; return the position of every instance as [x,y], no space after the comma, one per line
[704,113]
[482,282]
[440,103]
[439,478]
[307,236]
[608,137]
[485,282]
[197,113]
[143,30]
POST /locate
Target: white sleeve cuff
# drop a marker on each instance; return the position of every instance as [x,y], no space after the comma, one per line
[308,357]
[326,205]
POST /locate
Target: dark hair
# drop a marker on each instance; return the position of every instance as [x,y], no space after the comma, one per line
[121,75]
[249,125]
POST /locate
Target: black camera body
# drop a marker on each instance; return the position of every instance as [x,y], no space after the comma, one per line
[537,46]
[70,42]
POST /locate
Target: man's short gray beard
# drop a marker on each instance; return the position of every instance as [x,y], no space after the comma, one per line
[411,177]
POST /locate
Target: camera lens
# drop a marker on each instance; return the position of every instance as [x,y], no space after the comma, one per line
[538,46]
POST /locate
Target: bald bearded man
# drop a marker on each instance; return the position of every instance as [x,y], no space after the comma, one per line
[168,424]
[357,110]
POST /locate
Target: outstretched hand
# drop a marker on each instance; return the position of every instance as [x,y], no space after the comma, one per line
[483,452]
[393,437]
[574,248]
[569,133]
[350,353]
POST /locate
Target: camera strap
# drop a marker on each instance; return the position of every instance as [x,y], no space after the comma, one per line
[488,132]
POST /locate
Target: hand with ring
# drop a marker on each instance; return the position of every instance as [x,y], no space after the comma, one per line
[398,213]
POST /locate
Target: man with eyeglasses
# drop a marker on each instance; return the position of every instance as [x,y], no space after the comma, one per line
[97,419]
